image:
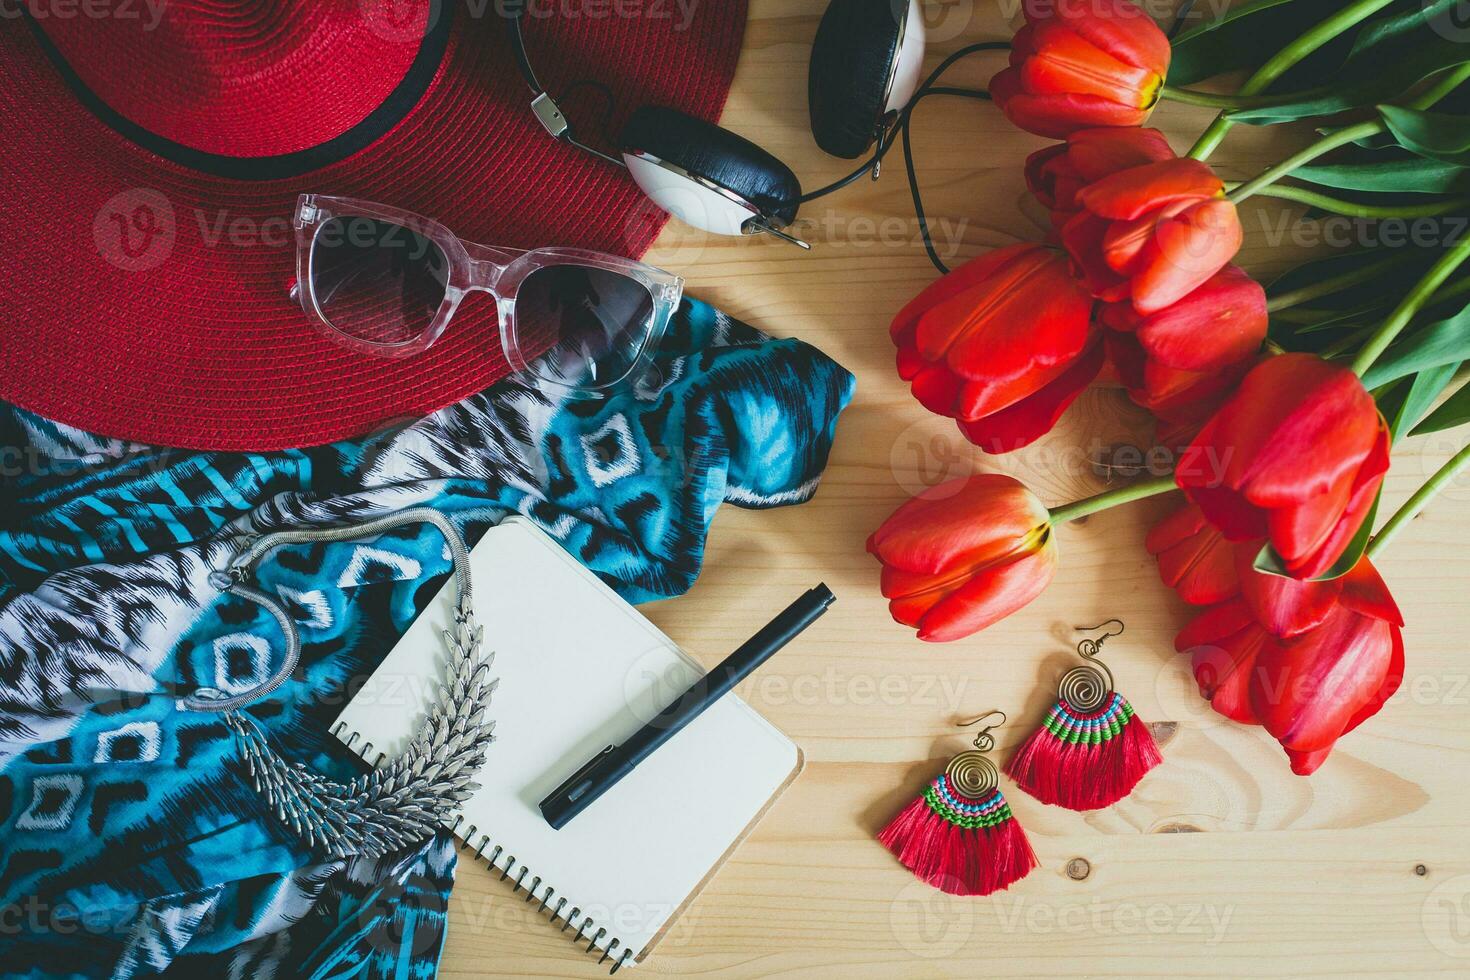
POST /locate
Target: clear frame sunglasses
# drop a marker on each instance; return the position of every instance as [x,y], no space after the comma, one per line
[388,282]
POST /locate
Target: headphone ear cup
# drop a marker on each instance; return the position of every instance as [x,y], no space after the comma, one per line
[710,154]
[854,70]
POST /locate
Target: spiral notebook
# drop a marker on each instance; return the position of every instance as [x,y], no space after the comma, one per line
[580,669]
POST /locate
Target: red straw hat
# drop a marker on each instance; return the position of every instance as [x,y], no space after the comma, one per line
[153,152]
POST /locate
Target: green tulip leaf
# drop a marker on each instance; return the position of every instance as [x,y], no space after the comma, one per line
[1232,41]
[1313,272]
[1454,412]
[1436,135]
[1389,56]
[1403,175]
[1443,342]
[1405,401]
[1270,563]
[1403,26]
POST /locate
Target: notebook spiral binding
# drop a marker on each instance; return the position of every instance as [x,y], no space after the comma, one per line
[366,753]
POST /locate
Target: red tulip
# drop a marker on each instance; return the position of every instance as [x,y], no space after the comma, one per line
[1309,689]
[1194,558]
[1224,643]
[1057,173]
[1295,456]
[1321,684]
[965,554]
[1153,234]
[1003,344]
[1284,607]
[1182,361]
[1197,562]
[1075,66]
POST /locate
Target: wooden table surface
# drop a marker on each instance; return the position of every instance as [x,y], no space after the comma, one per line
[1221,863]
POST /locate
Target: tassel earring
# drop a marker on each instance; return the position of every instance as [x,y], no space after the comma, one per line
[1092,749]
[960,836]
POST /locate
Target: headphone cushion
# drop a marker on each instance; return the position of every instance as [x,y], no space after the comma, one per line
[847,78]
[718,155]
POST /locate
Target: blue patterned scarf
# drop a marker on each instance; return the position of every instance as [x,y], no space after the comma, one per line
[130,841]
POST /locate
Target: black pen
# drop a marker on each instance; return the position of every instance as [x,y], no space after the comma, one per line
[604,770]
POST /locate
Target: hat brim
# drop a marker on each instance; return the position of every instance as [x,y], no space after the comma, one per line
[148,301]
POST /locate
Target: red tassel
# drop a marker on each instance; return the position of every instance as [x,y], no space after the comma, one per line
[959,845]
[1085,760]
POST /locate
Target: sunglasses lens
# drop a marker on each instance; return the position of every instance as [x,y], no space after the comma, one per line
[377,281]
[582,327]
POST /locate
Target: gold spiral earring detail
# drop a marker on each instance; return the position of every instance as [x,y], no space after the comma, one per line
[971,773]
[1089,685]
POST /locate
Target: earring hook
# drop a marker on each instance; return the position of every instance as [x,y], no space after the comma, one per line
[984,741]
[1106,622]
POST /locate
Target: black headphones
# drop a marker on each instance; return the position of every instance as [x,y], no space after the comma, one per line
[864,71]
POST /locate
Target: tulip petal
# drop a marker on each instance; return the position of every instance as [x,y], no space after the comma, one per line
[1051,178]
[1284,607]
[1194,558]
[937,389]
[1213,625]
[1095,153]
[989,597]
[1226,509]
[1309,688]
[1184,252]
[1022,423]
[1221,323]
[1365,491]
[1065,63]
[1306,763]
[1296,426]
[953,283]
[1082,236]
[1055,116]
[1132,193]
[1123,30]
[1010,335]
[1224,644]
[1365,592]
[960,524]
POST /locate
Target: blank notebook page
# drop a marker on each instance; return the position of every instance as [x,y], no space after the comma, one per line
[579,669]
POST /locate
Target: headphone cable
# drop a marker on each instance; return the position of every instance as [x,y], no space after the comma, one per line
[890,136]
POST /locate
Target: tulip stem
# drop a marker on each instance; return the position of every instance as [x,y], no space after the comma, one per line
[1282,60]
[1111,498]
[1416,503]
[1326,287]
[1348,134]
[1218,100]
[1328,143]
[1354,209]
[1417,297]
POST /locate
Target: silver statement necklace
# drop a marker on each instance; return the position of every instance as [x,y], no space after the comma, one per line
[404,800]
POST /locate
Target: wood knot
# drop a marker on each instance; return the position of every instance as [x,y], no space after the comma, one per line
[1420,870]
[1163,731]
[1078,869]
[1178,828]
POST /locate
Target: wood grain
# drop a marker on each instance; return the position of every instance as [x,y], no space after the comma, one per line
[1222,863]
